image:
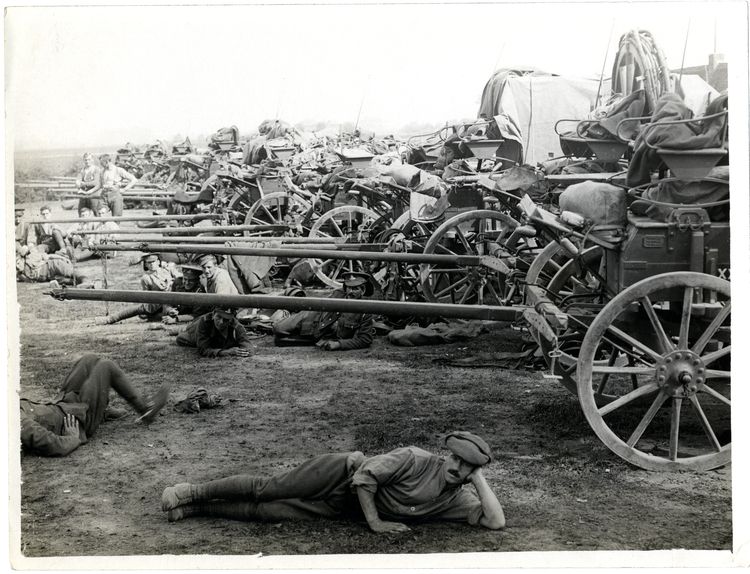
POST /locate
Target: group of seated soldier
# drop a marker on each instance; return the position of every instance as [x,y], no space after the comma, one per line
[46,251]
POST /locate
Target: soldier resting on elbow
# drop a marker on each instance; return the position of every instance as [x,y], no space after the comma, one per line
[405,485]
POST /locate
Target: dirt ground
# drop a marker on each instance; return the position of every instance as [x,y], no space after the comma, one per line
[560,487]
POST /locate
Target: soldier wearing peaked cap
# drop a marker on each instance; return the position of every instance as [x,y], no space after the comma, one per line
[330,330]
[217,334]
[404,485]
[218,280]
[189,282]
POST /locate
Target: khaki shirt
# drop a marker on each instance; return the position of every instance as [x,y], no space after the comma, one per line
[408,483]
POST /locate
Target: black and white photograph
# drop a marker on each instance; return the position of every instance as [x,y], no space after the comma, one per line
[389,285]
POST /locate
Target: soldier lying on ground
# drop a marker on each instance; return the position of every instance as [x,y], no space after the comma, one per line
[155,278]
[405,485]
[59,427]
[33,265]
[329,330]
[217,334]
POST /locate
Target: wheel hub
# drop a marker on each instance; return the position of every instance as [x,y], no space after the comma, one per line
[680,373]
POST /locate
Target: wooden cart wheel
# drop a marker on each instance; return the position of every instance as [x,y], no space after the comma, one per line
[353,223]
[279,208]
[240,203]
[577,290]
[478,232]
[401,281]
[674,331]
[546,264]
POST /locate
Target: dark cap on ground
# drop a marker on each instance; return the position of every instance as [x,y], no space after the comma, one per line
[469,447]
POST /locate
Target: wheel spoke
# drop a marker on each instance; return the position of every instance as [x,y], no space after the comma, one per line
[711,357]
[647,418]
[444,250]
[716,374]
[634,342]
[451,287]
[630,397]
[492,291]
[467,291]
[337,270]
[674,429]
[322,264]
[622,370]
[716,394]
[337,228]
[271,218]
[687,309]
[666,344]
[480,295]
[705,424]
[712,328]
[605,377]
[464,241]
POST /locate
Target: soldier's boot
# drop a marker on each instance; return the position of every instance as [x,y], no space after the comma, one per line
[118,316]
[177,495]
[234,510]
[149,407]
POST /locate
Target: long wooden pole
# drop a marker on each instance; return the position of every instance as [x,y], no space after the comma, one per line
[405,308]
[186,230]
[468,260]
[121,218]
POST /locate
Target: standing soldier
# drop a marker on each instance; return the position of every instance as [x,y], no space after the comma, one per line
[110,178]
[87,181]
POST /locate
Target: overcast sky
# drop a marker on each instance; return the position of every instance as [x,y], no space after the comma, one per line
[88,76]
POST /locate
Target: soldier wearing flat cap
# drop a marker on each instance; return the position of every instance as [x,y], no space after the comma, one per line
[218,280]
[405,485]
[330,330]
[188,282]
[217,334]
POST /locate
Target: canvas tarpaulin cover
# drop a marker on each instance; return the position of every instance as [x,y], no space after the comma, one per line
[527,104]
